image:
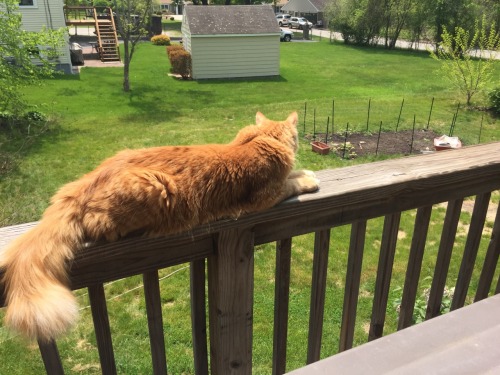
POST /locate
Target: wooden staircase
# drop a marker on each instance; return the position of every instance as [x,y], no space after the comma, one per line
[107,39]
[105,28]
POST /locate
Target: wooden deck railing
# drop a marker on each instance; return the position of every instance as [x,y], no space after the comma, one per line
[104,24]
[79,15]
[351,195]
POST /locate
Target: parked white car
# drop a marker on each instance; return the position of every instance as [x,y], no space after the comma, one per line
[286,35]
[283,19]
[299,23]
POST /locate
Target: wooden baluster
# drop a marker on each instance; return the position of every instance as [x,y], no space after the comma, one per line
[443,259]
[318,290]
[102,329]
[384,274]
[155,322]
[470,252]
[490,261]
[230,282]
[420,230]
[50,357]
[198,316]
[353,275]
[281,299]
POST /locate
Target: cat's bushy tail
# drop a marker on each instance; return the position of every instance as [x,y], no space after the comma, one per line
[39,303]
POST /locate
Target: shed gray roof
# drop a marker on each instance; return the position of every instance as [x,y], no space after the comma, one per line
[230,19]
[305,6]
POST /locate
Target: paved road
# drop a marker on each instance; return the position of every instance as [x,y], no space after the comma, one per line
[403,44]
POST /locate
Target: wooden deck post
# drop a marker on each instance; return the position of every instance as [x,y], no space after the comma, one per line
[102,329]
[50,357]
[198,316]
[281,301]
[318,292]
[230,290]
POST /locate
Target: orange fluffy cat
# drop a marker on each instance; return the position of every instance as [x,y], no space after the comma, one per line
[160,190]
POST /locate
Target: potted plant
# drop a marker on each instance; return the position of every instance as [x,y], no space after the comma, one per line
[320,147]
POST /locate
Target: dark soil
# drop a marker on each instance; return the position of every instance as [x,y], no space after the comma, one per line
[404,142]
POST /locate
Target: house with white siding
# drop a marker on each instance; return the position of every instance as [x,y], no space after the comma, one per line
[313,10]
[37,14]
[171,6]
[230,41]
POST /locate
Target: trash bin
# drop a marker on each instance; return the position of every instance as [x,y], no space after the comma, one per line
[306,31]
[156,27]
[76,54]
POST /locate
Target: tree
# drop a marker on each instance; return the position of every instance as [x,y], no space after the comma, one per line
[419,20]
[396,14]
[450,14]
[19,50]
[359,21]
[132,20]
[467,61]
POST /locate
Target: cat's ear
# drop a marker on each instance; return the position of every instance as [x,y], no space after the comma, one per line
[293,118]
[260,118]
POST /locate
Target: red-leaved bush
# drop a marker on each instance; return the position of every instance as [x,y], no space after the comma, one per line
[180,60]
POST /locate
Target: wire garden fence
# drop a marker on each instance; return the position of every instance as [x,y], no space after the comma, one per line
[379,128]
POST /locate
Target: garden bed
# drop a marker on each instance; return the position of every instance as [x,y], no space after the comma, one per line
[363,144]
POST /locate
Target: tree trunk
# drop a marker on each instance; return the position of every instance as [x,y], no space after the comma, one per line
[387,15]
[126,66]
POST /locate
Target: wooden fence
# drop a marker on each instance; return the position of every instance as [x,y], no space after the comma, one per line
[349,195]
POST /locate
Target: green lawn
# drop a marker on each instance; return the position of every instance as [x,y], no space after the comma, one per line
[173,28]
[95,119]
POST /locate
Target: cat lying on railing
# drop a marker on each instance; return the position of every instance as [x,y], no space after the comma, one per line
[157,191]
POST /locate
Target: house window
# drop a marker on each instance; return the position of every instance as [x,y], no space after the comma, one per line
[27,3]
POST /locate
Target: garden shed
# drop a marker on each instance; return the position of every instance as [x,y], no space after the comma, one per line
[229,41]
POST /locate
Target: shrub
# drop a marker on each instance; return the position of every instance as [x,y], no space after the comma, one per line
[421,302]
[6,118]
[35,116]
[173,47]
[495,100]
[180,60]
[161,40]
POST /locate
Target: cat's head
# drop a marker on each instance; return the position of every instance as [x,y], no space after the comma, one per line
[284,131]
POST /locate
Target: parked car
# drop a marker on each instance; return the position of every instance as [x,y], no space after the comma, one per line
[283,19]
[299,23]
[286,35]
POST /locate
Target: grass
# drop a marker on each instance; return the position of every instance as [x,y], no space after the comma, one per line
[173,28]
[94,119]
[97,119]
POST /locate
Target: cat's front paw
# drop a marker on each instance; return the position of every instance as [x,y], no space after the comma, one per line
[308,183]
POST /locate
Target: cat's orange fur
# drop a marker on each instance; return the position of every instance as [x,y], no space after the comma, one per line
[159,190]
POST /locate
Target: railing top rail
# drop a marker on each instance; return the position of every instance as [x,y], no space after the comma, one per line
[346,195]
